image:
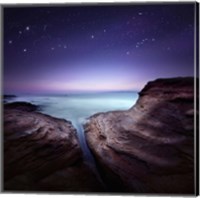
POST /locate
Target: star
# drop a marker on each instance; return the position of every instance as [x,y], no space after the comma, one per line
[65,46]
[127,53]
[52,48]
[92,36]
[20,32]
[27,28]
[168,48]
[10,42]
[153,39]
[104,30]
[24,50]
[139,13]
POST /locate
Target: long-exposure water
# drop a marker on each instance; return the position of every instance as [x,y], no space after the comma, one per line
[78,107]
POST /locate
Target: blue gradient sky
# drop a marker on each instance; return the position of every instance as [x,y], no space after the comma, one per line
[90,48]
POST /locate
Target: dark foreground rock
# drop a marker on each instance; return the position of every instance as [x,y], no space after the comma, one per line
[149,148]
[24,106]
[42,153]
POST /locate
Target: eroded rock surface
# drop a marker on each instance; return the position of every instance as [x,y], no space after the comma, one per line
[150,147]
[42,153]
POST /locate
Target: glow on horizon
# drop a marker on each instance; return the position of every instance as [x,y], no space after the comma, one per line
[61,87]
[92,79]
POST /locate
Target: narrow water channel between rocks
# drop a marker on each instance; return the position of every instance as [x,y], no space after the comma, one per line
[78,107]
[81,136]
[88,157]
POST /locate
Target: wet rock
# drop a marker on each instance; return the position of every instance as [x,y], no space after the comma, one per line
[42,153]
[150,147]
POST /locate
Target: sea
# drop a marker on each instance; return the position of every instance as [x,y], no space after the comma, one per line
[78,107]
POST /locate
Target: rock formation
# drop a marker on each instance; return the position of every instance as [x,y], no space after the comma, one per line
[24,106]
[7,98]
[150,147]
[42,153]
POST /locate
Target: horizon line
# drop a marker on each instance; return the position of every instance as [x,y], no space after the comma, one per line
[67,92]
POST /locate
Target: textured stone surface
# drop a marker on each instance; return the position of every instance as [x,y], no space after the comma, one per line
[42,153]
[150,147]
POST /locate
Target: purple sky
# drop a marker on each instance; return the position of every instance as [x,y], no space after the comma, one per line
[90,48]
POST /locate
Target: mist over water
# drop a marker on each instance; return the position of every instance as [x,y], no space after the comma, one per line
[78,107]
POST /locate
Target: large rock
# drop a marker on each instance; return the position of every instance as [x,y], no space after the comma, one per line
[150,147]
[42,153]
[24,106]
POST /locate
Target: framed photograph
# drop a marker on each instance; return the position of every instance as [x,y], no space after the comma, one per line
[100,98]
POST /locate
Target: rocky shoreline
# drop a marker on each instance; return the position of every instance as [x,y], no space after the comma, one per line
[149,148]
[146,149]
[42,153]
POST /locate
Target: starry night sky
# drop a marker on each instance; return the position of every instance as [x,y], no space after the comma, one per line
[60,49]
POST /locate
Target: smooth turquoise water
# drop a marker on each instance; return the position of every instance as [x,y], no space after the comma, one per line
[77,107]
